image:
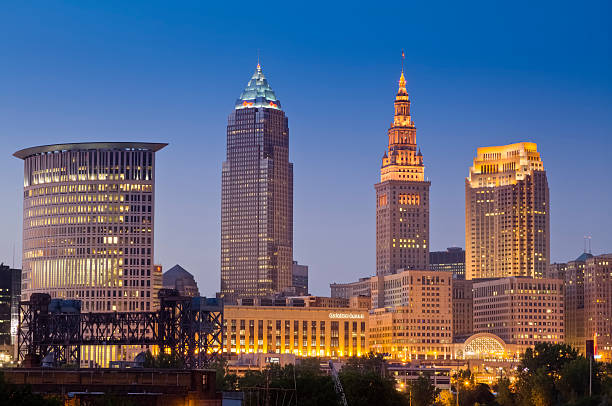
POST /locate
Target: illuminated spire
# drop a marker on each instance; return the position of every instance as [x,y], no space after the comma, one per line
[402,84]
[402,81]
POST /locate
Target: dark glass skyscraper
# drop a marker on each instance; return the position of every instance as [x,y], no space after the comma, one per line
[257,196]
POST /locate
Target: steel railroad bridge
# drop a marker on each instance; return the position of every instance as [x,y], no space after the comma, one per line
[189,328]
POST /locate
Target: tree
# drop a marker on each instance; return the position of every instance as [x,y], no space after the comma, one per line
[365,382]
[162,360]
[422,392]
[505,395]
[574,380]
[21,395]
[551,357]
[225,381]
[282,385]
[446,398]
[374,363]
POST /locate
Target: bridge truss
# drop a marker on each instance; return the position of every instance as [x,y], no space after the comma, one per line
[188,328]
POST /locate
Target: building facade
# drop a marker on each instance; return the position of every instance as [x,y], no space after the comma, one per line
[257,196]
[181,280]
[346,290]
[158,284]
[520,310]
[413,319]
[10,294]
[299,277]
[463,308]
[598,304]
[453,259]
[303,331]
[402,196]
[88,223]
[573,274]
[507,213]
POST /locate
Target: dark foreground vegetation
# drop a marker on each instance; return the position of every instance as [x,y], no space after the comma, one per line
[548,375]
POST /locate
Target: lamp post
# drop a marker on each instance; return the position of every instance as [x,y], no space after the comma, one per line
[457,386]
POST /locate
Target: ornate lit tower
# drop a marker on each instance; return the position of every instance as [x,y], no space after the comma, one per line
[402,196]
[257,196]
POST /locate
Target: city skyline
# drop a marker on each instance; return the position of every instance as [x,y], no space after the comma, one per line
[569,126]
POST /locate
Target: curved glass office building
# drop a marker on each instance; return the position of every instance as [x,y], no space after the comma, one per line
[88,223]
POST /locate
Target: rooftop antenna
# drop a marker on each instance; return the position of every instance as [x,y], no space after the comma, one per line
[403,57]
[587,242]
[258,65]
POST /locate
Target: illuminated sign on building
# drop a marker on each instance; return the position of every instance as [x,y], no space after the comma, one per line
[346,316]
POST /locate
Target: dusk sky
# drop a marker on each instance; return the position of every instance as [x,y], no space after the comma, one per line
[478,74]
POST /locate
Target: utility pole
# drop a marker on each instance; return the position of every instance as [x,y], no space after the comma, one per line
[590,352]
[457,386]
[590,376]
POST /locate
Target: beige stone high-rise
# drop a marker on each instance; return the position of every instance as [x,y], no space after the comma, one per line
[507,212]
[402,196]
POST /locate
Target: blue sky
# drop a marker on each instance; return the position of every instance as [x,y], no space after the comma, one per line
[479,73]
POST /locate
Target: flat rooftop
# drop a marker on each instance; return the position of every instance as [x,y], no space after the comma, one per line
[85,146]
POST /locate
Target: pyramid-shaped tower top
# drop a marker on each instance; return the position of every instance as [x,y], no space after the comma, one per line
[258,93]
[402,85]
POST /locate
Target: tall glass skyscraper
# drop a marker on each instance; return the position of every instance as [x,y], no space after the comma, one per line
[257,196]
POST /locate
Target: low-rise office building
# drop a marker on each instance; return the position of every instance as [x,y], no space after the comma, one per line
[520,310]
[414,315]
[304,331]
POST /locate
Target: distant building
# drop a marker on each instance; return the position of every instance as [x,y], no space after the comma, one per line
[463,308]
[158,284]
[402,196]
[256,196]
[573,275]
[453,259]
[556,271]
[598,304]
[300,278]
[507,213]
[346,290]
[520,310]
[10,294]
[181,280]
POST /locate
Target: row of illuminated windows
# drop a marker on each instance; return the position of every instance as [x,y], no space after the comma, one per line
[86,197]
[87,188]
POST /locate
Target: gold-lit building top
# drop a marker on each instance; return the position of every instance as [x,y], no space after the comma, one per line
[504,165]
[402,161]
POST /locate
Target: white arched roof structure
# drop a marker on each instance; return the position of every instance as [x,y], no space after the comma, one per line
[484,345]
